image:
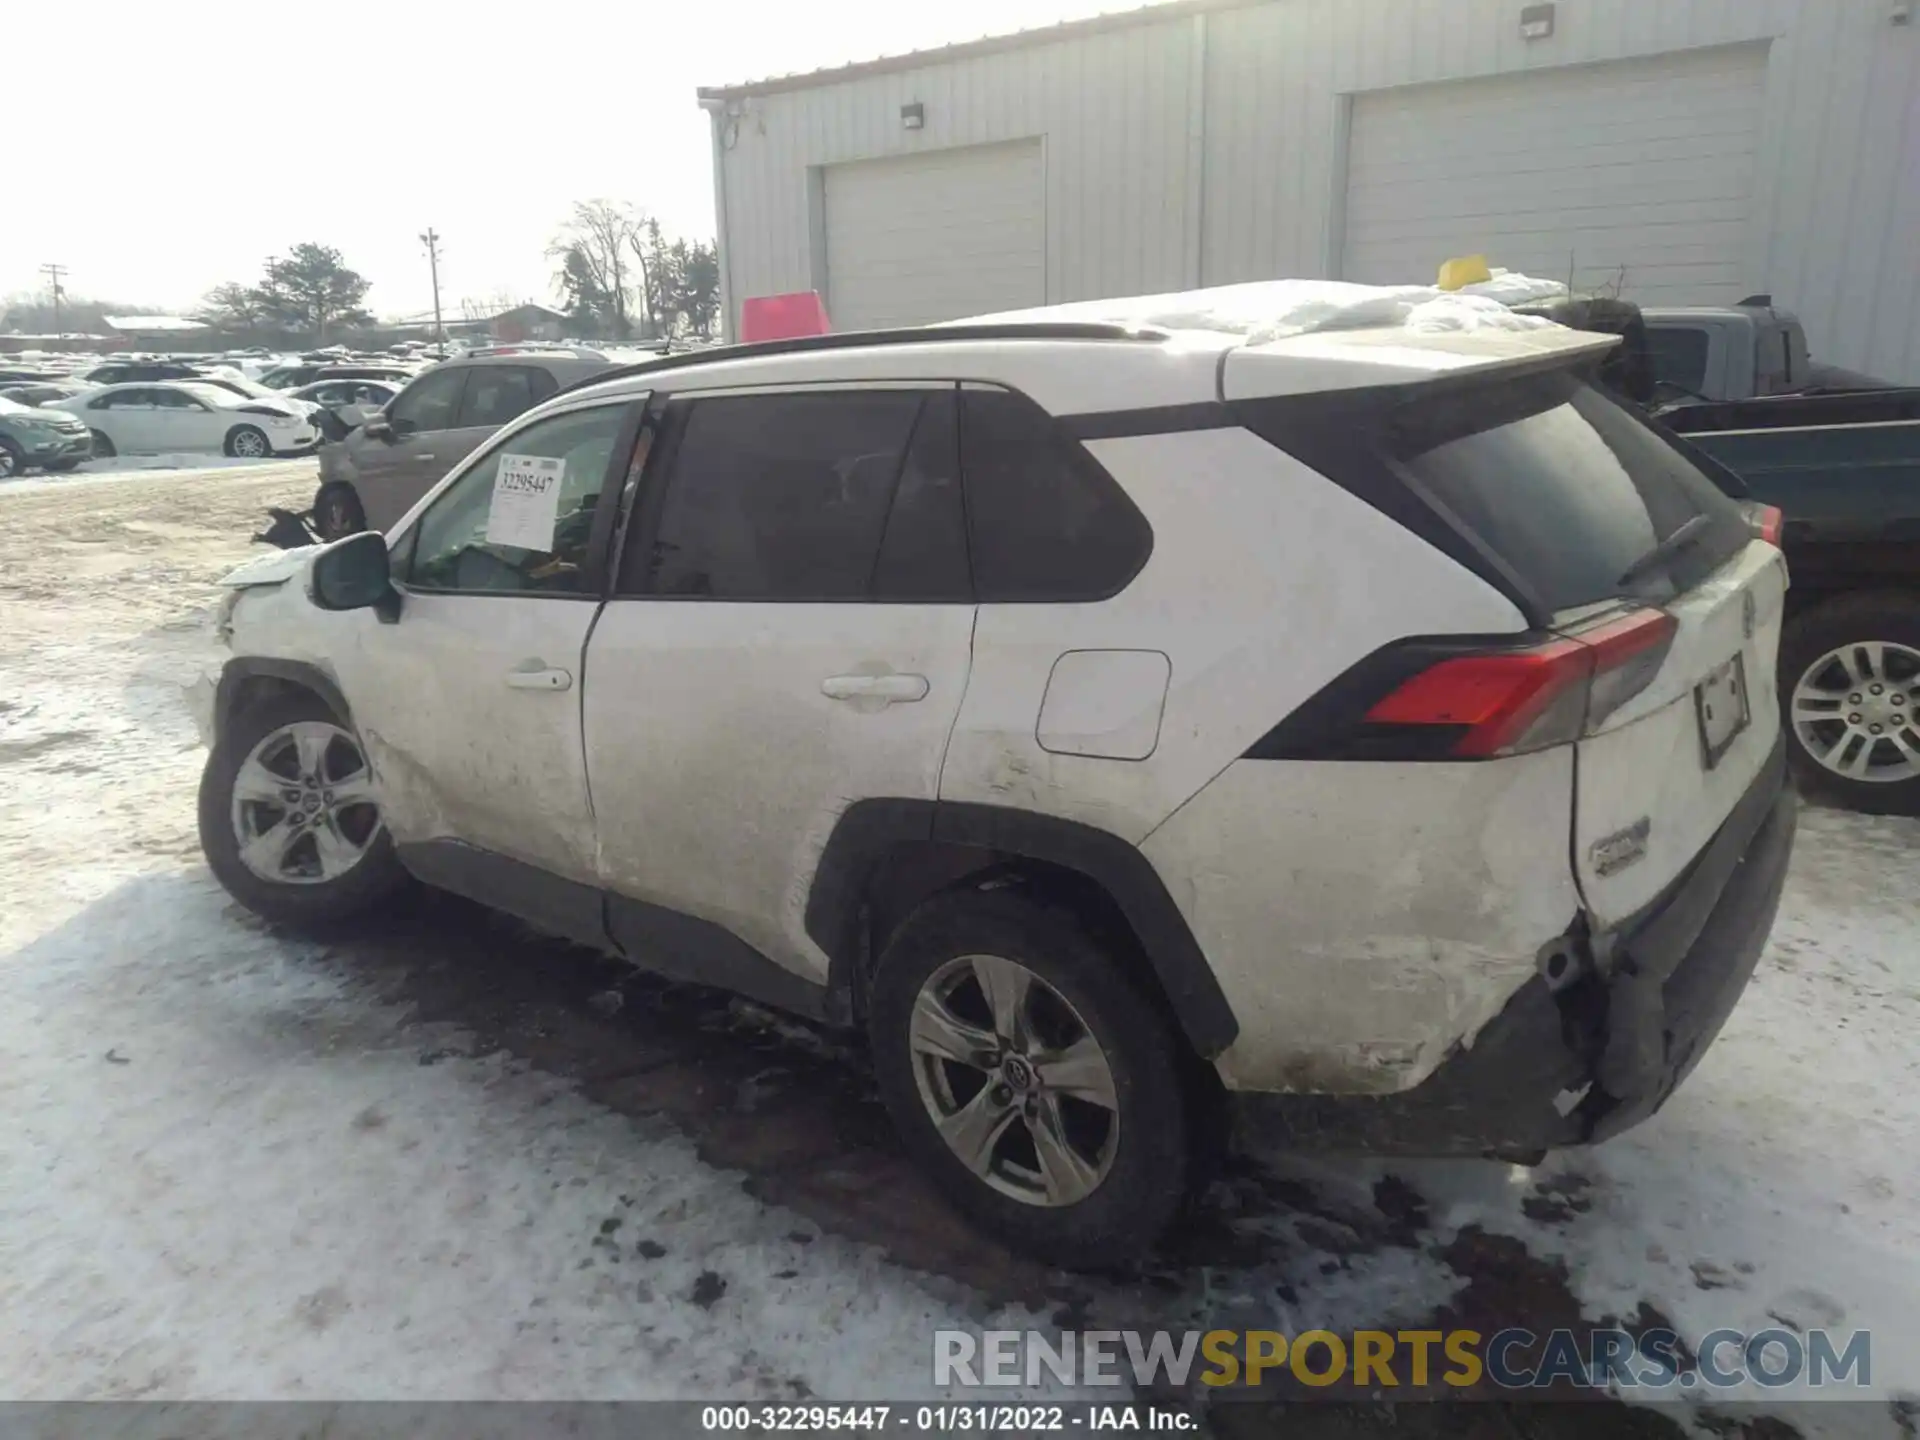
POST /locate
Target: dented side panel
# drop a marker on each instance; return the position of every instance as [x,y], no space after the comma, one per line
[1366,919]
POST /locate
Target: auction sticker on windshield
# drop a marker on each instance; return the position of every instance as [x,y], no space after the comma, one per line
[526,501]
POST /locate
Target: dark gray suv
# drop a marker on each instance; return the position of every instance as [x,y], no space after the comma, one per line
[371,478]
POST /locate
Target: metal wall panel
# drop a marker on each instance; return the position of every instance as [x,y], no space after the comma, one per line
[1833,229]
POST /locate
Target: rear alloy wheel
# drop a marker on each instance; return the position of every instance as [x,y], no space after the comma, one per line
[1850,682]
[289,819]
[1032,1079]
[102,446]
[248,443]
[12,462]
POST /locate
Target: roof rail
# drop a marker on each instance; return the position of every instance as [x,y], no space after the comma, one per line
[871,339]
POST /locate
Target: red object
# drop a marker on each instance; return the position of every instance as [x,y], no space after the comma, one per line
[1514,700]
[783,317]
[1767,522]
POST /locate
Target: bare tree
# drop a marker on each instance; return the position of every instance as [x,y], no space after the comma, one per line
[595,243]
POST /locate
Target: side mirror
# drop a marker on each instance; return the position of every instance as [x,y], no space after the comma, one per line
[354,574]
[378,427]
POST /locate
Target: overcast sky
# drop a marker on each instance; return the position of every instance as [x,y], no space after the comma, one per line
[164,149]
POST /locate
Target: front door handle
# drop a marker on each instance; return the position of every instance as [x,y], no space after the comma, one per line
[887,689]
[535,676]
[424,459]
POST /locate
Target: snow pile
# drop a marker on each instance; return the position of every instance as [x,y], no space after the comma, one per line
[1260,311]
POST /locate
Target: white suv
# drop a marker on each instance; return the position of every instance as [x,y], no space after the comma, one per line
[1367,728]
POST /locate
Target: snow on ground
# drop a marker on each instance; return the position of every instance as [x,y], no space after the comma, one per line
[228,1172]
[226,1176]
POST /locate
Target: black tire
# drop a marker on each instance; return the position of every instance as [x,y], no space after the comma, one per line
[1889,617]
[336,511]
[373,880]
[102,446]
[61,467]
[1145,1183]
[252,434]
[12,462]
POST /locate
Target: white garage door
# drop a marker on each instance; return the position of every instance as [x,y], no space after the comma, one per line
[1642,164]
[935,236]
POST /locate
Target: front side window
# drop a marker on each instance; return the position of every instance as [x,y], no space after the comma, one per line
[782,497]
[430,403]
[521,520]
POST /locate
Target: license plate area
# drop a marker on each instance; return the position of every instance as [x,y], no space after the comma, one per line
[1723,708]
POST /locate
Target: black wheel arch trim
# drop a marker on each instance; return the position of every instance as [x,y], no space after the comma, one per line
[237,672]
[868,831]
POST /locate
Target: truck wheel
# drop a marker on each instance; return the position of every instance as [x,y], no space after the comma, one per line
[1034,1082]
[1850,690]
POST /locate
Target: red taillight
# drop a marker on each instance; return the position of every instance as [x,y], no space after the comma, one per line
[1509,701]
[1767,522]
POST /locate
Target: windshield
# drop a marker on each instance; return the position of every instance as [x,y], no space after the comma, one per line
[209,392]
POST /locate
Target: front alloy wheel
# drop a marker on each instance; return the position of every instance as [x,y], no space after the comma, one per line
[303,805]
[1014,1080]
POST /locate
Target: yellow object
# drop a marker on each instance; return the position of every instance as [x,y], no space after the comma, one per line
[1464,270]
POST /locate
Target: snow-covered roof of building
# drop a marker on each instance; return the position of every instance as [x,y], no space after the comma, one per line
[153,322]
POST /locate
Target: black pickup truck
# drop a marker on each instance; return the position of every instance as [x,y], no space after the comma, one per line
[1843,468]
[1838,457]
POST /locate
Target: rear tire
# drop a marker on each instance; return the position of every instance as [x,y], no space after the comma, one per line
[248,442]
[337,513]
[309,863]
[1061,1173]
[102,446]
[1847,665]
[61,467]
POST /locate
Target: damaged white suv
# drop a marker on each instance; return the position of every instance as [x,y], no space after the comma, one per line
[1362,733]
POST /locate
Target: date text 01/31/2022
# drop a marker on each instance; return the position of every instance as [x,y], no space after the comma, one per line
[944,1419]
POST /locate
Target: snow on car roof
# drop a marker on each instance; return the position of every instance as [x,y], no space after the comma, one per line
[1261,311]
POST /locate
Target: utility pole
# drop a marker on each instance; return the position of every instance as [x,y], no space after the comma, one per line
[431,239]
[53,274]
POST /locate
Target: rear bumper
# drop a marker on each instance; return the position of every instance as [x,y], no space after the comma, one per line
[1602,1054]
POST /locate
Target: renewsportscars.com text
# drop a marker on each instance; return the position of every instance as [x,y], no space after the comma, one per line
[1513,1359]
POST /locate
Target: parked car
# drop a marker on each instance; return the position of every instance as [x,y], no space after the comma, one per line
[341,396]
[373,476]
[188,417]
[292,377]
[1356,730]
[28,375]
[43,439]
[42,392]
[121,372]
[253,390]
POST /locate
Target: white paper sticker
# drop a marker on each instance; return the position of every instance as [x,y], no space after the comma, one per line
[526,501]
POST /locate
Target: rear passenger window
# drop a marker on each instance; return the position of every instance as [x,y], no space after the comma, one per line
[787,497]
[1044,521]
[923,552]
[495,394]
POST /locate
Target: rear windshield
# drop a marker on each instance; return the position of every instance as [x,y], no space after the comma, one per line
[1542,483]
[1566,487]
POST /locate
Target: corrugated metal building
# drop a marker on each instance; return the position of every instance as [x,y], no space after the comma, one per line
[1704,150]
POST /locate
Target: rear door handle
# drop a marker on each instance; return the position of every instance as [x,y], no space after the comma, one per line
[423,459]
[532,675]
[888,689]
